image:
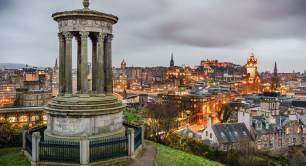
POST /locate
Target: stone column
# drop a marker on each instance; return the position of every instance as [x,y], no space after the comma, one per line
[84,150]
[100,82]
[35,148]
[61,64]
[79,65]
[94,64]
[108,65]
[84,63]
[68,63]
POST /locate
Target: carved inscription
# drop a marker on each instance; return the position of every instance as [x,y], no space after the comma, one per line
[67,126]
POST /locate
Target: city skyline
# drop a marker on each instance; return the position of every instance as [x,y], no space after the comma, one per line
[146,36]
[154,82]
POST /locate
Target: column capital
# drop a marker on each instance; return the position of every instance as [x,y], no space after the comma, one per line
[101,36]
[109,37]
[68,35]
[60,36]
[84,35]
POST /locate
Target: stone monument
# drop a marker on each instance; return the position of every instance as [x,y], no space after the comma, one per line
[93,112]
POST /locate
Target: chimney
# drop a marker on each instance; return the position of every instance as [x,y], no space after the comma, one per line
[210,121]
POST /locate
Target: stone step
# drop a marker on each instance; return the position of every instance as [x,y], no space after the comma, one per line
[78,112]
[84,106]
[85,102]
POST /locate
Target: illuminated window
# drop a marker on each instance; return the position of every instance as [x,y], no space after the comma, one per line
[45,118]
[287,130]
[34,118]
[12,119]
[23,118]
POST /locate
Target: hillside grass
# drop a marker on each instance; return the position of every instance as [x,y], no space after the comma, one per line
[12,157]
[172,157]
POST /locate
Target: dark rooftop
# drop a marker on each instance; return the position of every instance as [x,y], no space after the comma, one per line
[231,133]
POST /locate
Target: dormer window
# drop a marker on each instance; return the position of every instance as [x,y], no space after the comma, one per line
[222,135]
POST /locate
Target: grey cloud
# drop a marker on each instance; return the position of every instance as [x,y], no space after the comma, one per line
[151,29]
[229,23]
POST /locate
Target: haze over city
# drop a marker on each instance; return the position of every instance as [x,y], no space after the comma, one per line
[149,30]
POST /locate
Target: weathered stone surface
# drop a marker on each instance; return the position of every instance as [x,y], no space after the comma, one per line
[62,63]
[108,67]
[67,116]
[91,126]
[68,62]
[85,25]
[84,63]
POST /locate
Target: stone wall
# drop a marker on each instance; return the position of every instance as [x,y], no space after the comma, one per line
[63,126]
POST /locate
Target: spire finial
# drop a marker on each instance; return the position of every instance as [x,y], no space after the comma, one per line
[86,4]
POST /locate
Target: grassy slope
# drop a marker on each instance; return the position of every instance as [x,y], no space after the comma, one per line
[12,157]
[167,156]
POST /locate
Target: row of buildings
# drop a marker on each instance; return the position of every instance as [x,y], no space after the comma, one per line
[265,122]
[245,79]
[26,87]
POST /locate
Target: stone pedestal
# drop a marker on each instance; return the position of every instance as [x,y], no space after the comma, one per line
[72,117]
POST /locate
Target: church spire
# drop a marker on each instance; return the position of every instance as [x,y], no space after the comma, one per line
[171,61]
[56,65]
[275,78]
[275,69]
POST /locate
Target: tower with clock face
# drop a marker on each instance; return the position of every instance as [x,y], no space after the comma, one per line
[251,66]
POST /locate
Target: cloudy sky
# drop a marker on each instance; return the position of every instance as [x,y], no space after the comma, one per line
[149,30]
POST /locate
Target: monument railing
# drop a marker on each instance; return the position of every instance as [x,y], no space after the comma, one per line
[28,142]
[83,152]
[108,148]
[40,129]
[59,151]
[137,139]
[138,133]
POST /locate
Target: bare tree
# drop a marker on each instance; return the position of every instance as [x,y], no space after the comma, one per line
[161,119]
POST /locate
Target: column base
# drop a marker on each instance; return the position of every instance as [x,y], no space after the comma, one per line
[109,93]
[100,95]
[84,95]
[67,95]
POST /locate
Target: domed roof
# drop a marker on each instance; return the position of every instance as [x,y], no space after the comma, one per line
[85,13]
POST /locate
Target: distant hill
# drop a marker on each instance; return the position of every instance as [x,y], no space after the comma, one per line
[12,66]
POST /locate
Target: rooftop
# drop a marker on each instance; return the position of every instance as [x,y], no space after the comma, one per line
[231,132]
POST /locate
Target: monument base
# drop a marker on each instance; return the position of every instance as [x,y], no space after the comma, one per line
[119,133]
[70,118]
